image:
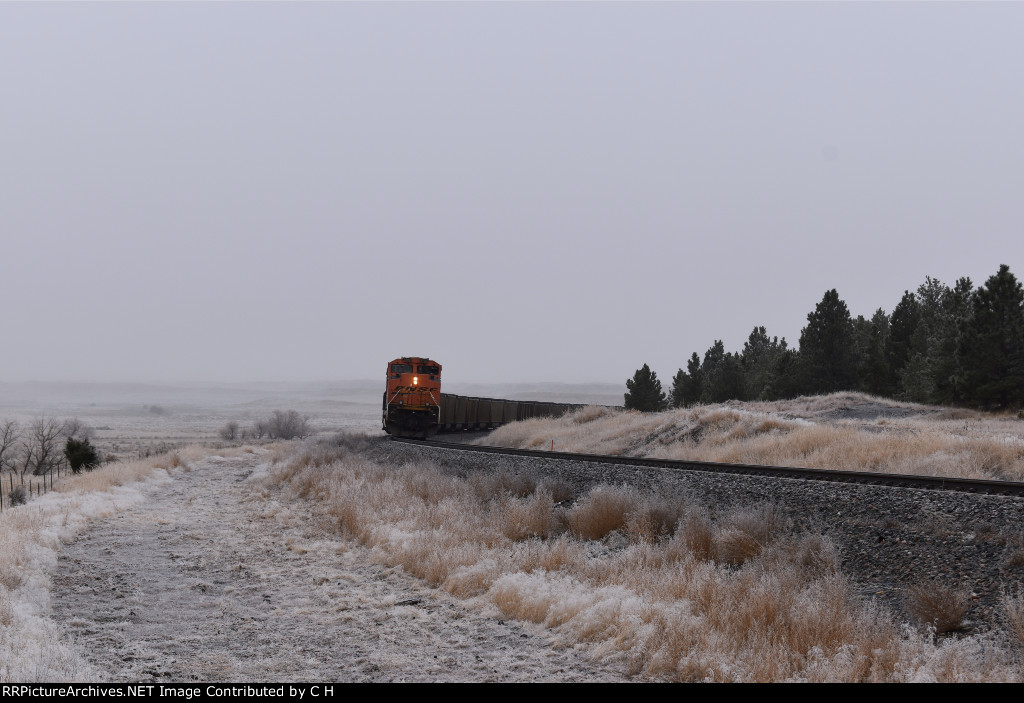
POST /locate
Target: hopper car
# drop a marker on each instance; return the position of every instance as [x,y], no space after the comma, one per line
[415,407]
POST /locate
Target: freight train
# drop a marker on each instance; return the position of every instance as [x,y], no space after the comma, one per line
[414,405]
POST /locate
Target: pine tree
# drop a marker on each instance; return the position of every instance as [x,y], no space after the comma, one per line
[874,369]
[826,347]
[686,385]
[759,359]
[644,392]
[993,351]
[949,369]
[906,316]
[680,385]
[696,374]
[711,369]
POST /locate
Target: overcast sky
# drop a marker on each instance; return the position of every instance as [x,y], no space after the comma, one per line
[522,191]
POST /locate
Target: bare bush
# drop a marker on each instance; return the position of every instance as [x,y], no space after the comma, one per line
[229,432]
[288,424]
[75,428]
[938,606]
[19,496]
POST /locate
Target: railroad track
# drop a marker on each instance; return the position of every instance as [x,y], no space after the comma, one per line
[931,483]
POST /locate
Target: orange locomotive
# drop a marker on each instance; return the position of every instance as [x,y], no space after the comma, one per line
[412,401]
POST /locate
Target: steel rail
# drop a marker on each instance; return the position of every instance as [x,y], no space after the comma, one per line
[931,483]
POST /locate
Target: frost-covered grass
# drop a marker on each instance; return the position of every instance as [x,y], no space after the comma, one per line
[848,431]
[662,586]
[31,535]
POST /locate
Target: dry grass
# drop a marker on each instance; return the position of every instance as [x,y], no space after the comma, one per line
[1013,608]
[937,606]
[746,532]
[603,510]
[666,588]
[842,431]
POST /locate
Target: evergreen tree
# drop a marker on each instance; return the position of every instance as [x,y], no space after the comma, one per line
[862,330]
[644,392]
[993,351]
[728,382]
[904,321]
[677,396]
[787,382]
[759,360]
[80,454]
[946,368]
[874,369]
[696,374]
[826,347]
[917,380]
[710,371]
[686,385]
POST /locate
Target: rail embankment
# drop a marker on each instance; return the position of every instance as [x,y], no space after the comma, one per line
[667,579]
[848,431]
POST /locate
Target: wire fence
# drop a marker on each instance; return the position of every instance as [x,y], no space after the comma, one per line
[18,488]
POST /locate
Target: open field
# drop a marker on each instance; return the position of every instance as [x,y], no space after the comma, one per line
[133,420]
[849,431]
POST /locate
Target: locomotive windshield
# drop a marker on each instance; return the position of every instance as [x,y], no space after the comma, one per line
[401,368]
[425,368]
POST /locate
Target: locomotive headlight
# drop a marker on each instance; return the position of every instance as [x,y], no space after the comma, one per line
[415,380]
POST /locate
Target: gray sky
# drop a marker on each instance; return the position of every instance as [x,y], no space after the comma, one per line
[523,191]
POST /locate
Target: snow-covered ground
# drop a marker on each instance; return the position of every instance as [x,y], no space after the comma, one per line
[213,579]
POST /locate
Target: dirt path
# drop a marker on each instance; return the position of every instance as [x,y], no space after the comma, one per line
[209,580]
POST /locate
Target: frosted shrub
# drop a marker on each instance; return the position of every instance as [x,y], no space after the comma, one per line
[937,606]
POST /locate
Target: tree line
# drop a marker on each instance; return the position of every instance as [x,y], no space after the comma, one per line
[941,345]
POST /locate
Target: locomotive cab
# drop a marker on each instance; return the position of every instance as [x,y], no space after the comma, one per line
[412,397]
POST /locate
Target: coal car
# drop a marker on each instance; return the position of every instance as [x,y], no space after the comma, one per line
[415,407]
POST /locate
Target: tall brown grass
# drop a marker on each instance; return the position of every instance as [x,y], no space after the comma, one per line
[667,588]
[937,605]
[1013,608]
[790,434]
